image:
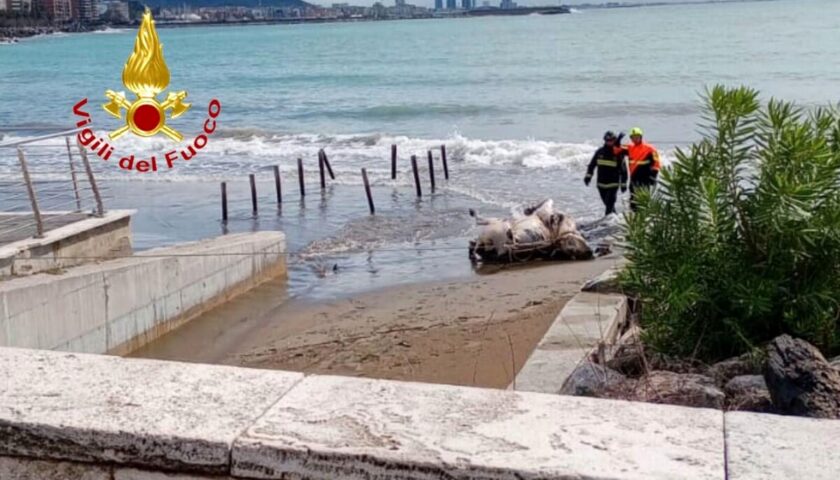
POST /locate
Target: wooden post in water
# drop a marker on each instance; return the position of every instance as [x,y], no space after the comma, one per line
[321,169]
[73,176]
[327,163]
[277,184]
[224,202]
[100,208]
[33,200]
[300,177]
[445,166]
[393,162]
[253,181]
[416,175]
[432,170]
[367,191]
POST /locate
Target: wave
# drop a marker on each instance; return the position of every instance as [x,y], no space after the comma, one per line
[235,151]
[109,31]
[400,111]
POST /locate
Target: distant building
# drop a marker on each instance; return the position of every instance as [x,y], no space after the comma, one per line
[3,6]
[507,4]
[399,3]
[117,11]
[467,4]
[451,4]
[84,10]
[378,10]
[58,10]
[438,4]
[21,6]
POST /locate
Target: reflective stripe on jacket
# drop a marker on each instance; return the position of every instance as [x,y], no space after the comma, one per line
[643,162]
[612,169]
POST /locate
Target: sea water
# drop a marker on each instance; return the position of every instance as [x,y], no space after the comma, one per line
[519,102]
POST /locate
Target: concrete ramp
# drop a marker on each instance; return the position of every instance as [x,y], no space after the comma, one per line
[119,305]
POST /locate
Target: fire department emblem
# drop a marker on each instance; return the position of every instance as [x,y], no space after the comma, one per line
[147,75]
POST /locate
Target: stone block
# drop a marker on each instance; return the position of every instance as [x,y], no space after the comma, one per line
[151,414]
[329,428]
[774,447]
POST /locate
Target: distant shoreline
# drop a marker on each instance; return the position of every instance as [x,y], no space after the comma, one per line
[13,34]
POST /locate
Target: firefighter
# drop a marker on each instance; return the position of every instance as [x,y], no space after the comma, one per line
[612,171]
[644,164]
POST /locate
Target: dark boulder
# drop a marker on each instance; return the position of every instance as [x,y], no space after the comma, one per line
[748,392]
[687,389]
[730,368]
[590,380]
[800,380]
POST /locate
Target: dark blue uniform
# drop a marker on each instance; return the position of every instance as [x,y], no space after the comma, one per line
[612,174]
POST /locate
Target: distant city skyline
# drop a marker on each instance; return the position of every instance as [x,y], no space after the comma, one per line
[478,3]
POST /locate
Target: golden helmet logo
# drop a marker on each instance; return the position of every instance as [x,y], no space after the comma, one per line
[147,75]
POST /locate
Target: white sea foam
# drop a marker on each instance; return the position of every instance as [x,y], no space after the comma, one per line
[109,30]
[248,150]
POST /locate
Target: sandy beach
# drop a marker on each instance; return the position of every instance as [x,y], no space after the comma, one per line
[469,331]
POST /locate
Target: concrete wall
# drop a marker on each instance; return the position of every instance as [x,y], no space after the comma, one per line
[73,244]
[94,417]
[119,305]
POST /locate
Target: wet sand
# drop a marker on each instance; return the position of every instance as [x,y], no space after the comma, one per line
[469,331]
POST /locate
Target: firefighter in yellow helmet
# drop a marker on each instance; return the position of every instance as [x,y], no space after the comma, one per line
[644,164]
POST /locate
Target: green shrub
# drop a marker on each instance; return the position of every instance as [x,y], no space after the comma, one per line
[740,242]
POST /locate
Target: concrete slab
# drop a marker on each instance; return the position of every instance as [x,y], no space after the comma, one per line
[72,239]
[585,321]
[770,447]
[145,413]
[330,428]
[547,370]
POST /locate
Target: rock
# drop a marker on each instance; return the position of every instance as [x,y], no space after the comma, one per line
[800,380]
[748,392]
[660,361]
[606,282]
[687,389]
[589,379]
[835,362]
[726,370]
[628,359]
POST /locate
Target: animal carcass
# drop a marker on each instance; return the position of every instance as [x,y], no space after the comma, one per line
[539,232]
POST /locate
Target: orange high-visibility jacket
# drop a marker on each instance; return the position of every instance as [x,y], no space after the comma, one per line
[643,161]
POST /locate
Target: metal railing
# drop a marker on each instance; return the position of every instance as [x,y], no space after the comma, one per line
[53,190]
